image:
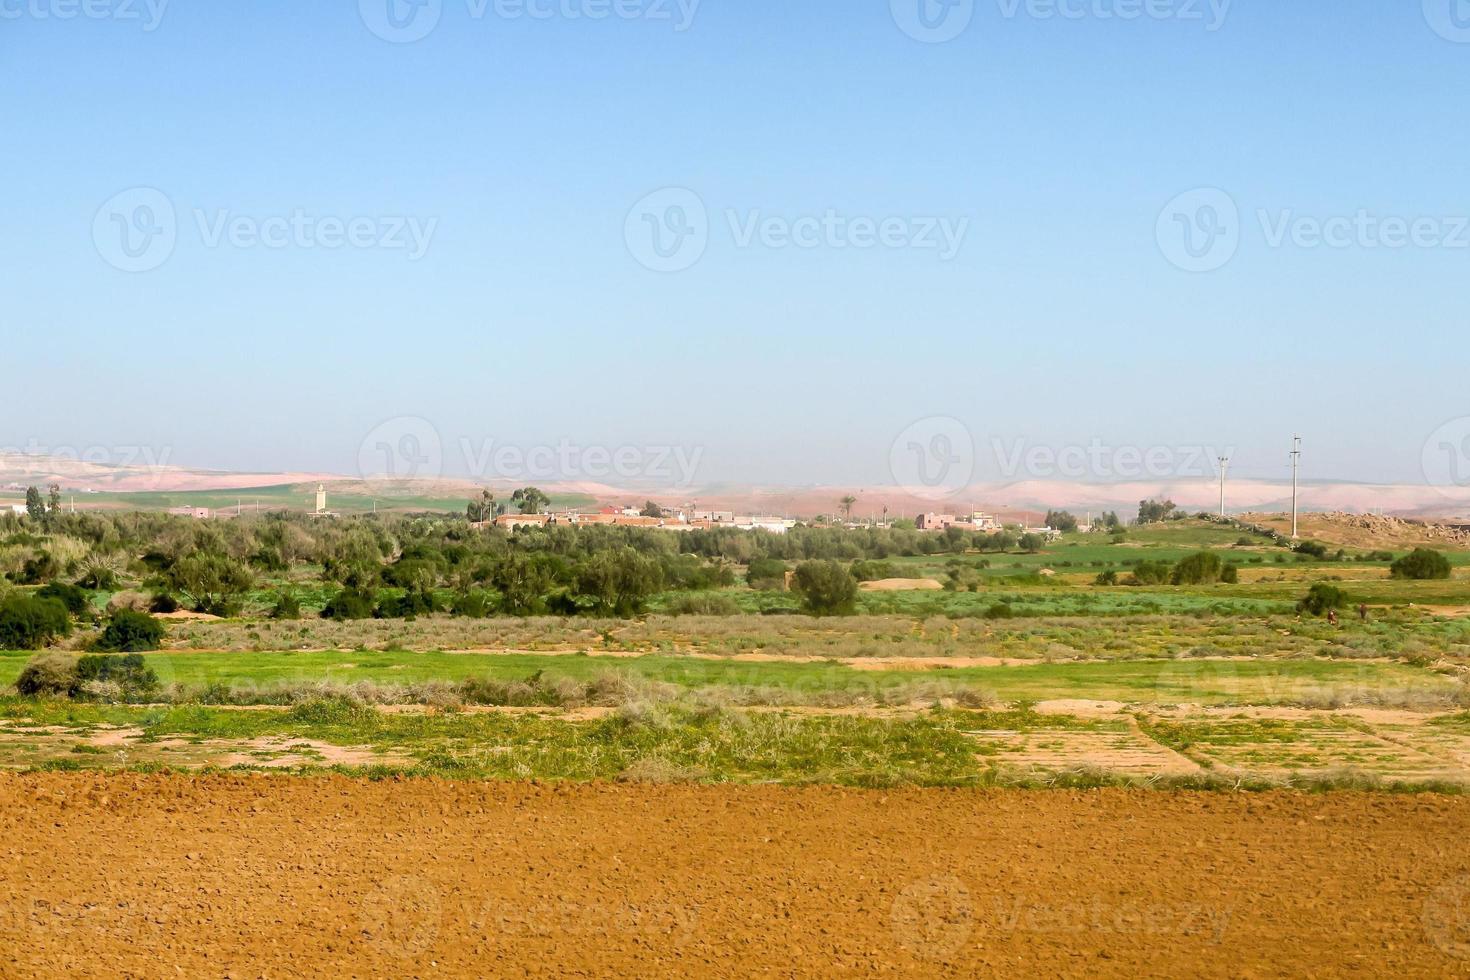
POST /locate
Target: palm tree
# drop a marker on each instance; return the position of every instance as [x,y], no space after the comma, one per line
[847,505]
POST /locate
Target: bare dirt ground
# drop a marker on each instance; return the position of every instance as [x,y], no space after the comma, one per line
[135,875]
[902,585]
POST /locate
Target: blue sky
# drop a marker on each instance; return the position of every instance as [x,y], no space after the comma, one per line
[519,145]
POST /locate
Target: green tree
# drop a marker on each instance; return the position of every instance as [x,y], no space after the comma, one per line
[651,509]
[522,583]
[482,510]
[213,583]
[619,582]
[826,588]
[530,500]
[1032,543]
[1421,564]
[848,503]
[53,495]
[1154,511]
[1061,520]
[35,506]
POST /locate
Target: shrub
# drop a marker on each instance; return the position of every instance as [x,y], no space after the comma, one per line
[1000,610]
[129,675]
[704,605]
[76,600]
[871,571]
[471,605]
[1321,598]
[1109,577]
[767,574]
[826,588]
[1198,569]
[163,603]
[287,607]
[1151,573]
[1230,574]
[28,623]
[49,675]
[350,604]
[415,602]
[1421,564]
[130,632]
[1312,549]
[127,600]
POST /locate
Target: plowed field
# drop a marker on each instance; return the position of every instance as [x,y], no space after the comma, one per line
[137,875]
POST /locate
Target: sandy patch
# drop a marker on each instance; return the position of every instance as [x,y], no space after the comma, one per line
[902,585]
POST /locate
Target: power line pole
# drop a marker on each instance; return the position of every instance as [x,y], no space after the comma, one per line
[1296,460]
[1224,466]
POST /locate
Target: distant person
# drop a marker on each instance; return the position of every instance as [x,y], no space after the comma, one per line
[1332,617]
[1363,612]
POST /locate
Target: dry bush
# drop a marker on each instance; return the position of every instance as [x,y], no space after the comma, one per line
[50,674]
[134,601]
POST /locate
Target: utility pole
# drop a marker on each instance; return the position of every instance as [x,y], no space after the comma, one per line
[1296,460]
[1224,466]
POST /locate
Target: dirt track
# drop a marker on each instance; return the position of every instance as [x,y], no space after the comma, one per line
[280,876]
